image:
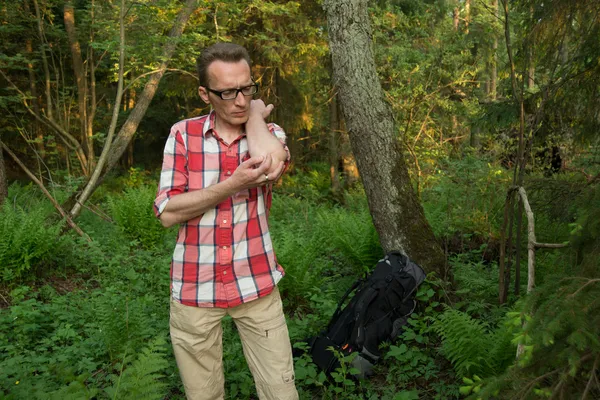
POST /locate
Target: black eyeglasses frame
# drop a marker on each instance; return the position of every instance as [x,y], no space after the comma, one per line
[237,91]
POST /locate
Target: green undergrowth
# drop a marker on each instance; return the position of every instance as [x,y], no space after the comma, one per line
[85,320]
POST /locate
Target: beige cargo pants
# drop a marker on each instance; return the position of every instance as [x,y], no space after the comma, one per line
[196,334]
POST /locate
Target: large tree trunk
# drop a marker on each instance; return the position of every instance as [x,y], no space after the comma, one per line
[3,181]
[334,129]
[396,211]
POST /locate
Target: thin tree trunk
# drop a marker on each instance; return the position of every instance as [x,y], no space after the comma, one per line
[530,43]
[47,91]
[504,271]
[3,180]
[80,79]
[494,63]
[467,15]
[92,63]
[456,18]
[36,129]
[397,214]
[88,190]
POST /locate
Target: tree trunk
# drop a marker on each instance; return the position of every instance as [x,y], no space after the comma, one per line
[47,91]
[455,18]
[3,181]
[494,63]
[80,79]
[467,15]
[334,128]
[397,214]
[36,129]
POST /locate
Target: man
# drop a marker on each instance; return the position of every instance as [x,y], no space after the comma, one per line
[216,183]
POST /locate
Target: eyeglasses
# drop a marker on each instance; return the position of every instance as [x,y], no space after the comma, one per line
[231,94]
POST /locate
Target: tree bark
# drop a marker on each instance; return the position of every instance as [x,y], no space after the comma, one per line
[80,79]
[36,129]
[397,214]
[43,45]
[334,128]
[494,62]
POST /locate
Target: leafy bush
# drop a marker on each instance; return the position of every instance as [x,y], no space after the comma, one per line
[466,196]
[132,211]
[560,338]
[29,244]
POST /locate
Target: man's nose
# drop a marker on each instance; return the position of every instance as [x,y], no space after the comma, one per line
[240,99]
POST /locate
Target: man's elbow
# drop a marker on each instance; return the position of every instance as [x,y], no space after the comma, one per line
[166,220]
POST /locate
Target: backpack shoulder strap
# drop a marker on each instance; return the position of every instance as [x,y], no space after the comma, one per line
[338,310]
[358,332]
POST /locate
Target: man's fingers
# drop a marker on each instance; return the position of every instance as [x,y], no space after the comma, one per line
[266,165]
[252,161]
[268,110]
[279,170]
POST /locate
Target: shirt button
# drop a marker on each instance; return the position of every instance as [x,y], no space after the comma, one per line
[224,221]
[224,272]
[224,247]
[228,172]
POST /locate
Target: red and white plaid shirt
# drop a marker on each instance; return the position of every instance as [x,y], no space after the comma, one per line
[224,257]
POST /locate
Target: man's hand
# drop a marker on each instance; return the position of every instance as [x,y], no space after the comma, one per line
[258,108]
[254,172]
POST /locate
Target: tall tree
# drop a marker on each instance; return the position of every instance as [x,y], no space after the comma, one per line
[395,209]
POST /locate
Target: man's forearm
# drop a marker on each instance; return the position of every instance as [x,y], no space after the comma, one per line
[189,205]
[262,142]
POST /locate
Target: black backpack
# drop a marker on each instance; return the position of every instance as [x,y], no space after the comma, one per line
[377,313]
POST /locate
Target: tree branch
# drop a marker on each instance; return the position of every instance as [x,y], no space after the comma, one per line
[47,194]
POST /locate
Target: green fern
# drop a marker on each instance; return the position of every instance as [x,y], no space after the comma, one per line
[470,346]
[132,211]
[144,378]
[353,235]
[27,242]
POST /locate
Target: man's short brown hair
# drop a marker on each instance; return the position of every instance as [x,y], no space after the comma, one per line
[228,52]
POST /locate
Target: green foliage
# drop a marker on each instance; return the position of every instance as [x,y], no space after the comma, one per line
[463,197]
[29,245]
[133,213]
[470,345]
[142,379]
[353,235]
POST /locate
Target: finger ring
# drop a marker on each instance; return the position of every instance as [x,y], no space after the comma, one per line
[266,177]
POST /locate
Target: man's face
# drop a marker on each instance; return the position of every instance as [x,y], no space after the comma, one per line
[223,76]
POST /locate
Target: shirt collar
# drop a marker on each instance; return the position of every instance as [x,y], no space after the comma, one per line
[209,125]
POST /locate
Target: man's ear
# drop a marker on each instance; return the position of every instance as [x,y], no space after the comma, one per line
[203,94]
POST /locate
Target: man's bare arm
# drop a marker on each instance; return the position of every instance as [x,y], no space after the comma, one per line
[189,205]
[261,142]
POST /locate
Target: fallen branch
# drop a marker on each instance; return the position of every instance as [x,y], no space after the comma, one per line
[47,194]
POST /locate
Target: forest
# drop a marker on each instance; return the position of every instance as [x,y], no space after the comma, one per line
[464,133]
